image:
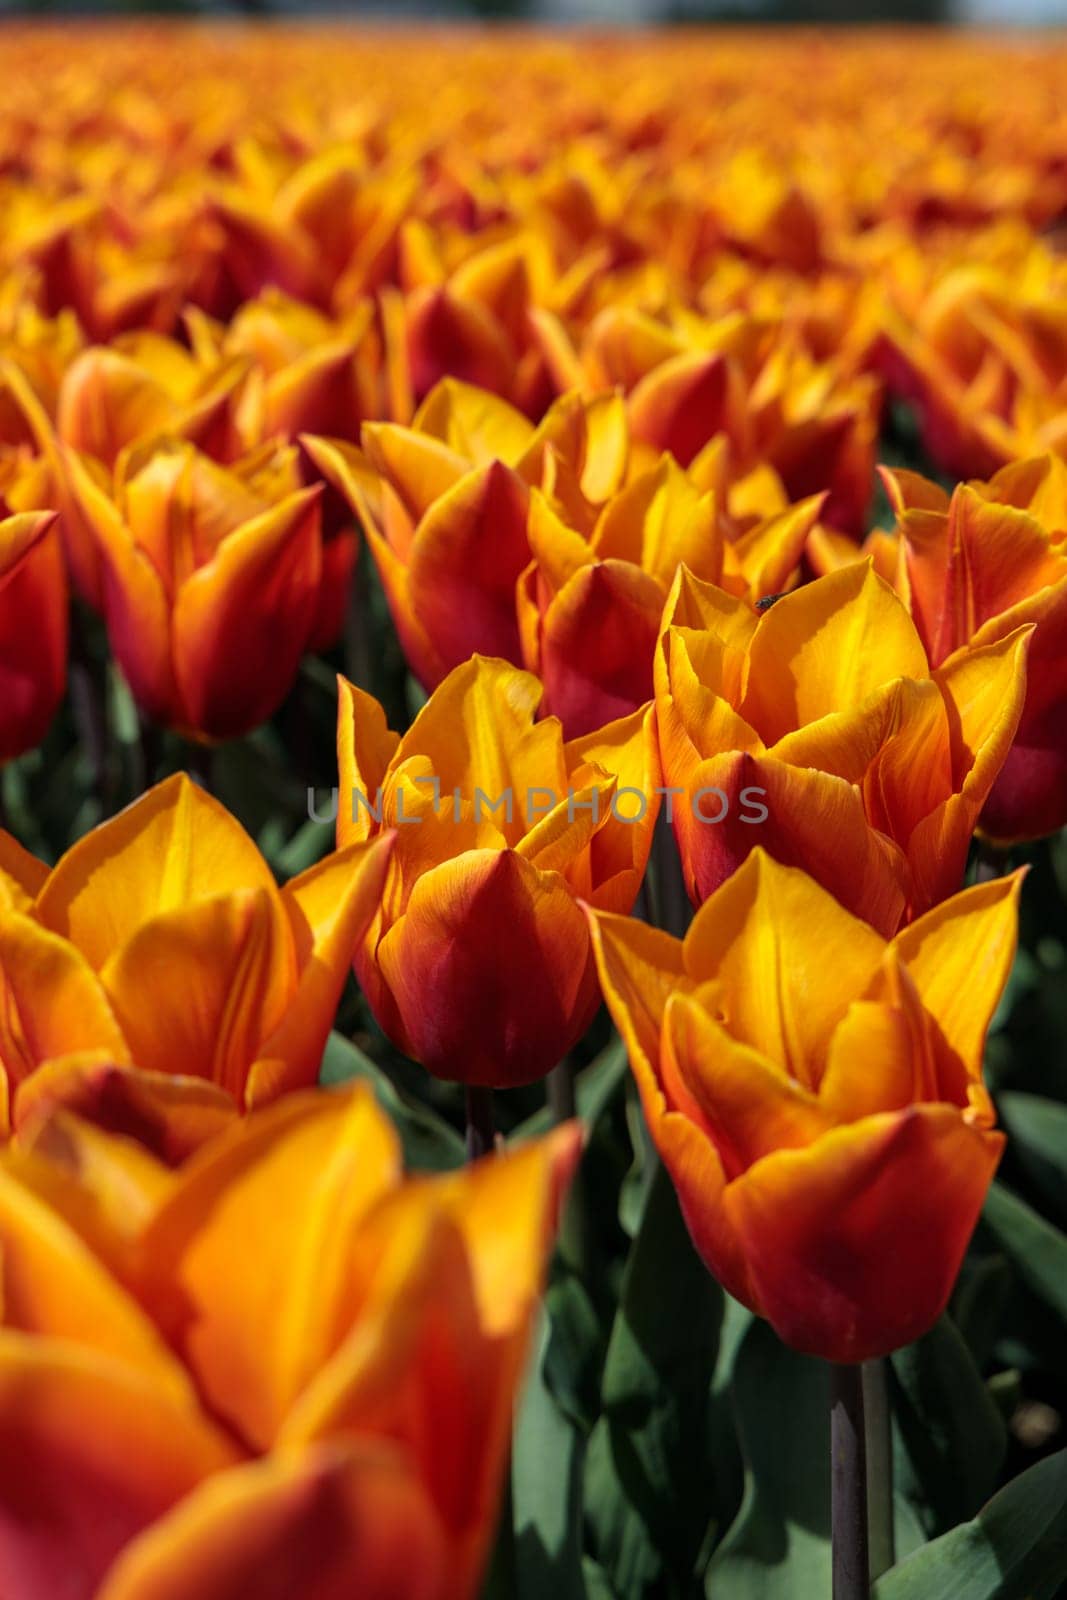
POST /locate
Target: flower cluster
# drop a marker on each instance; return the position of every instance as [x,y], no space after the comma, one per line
[578,362]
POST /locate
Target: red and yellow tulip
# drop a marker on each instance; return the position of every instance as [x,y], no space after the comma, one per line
[478,963]
[444,505]
[871,765]
[158,979]
[211,582]
[974,568]
[590,605]
[816,1094]
[281,1366]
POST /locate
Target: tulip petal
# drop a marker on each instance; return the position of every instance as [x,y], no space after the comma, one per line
[22,875]
[477,732]
[167,1113]
[311,1524]
[748,1104]
[254,1326]
[238,973]
[91,1452]
[468,553]
[56,1287]
[172,846]
[598,640]
[490,969]
[241,623]
[825,648]
[330,908]
[788,957]
[133,593]
[813,820]
[960,955]
[365,749]
[854,1244]
[52,1000]
[640,968]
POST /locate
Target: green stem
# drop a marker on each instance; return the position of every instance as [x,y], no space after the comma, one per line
[848,1485]
[879,1431]
[481,1132]
[560,1090]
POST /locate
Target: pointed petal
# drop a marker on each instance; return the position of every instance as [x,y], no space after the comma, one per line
[174,845]
[241,623]
[825,648]
[788,957]
[854,1244]
[248,1257]
[490,969]
[197,988]
[330,908]
[305,1522]
[91,1452]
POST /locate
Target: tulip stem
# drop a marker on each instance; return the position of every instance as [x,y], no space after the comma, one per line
[879,1467]
[481,1133]
[848,1485]
[560,1087]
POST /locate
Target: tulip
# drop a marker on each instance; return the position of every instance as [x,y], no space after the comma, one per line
[145,387]
[815,422]
[982,362]
[210,584]
[480,326]
[282,1369]
[992,559]
[33,629]
[590,607]
[816,1095]
[819,730]
[157,977]
[444,505]
[478,963]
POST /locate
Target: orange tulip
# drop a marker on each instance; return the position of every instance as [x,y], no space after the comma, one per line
[478,963]
[33,628]
[444,505]
[590,606]
[281,1369]
[816,1095]
[975,567]
[211,583]
[159,979]
[145,387]
[870,766]
[306,373]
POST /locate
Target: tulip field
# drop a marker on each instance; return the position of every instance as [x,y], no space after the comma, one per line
[533,814]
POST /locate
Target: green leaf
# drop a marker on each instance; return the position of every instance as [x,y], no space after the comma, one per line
[1038,1131]
[1037,1250]
[1015,1549]
[575,1347]
[546,1487]
[952,1432]
[656,1390]
[429,1144]
[597,1586]
[979,1301]
[626,1554]
[778,1547]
